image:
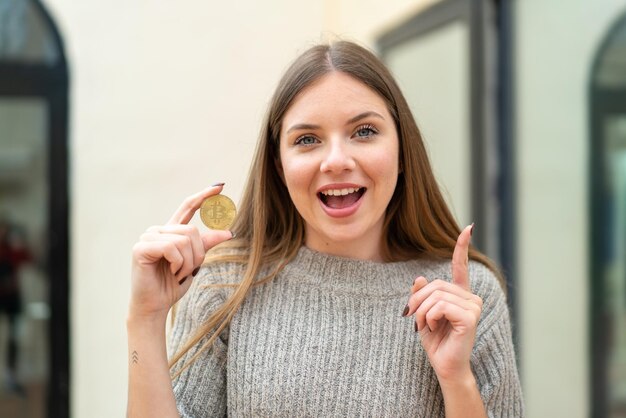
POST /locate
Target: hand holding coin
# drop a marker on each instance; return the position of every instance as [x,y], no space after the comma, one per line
[166,256]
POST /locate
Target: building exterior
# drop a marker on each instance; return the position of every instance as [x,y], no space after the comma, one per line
[110,114]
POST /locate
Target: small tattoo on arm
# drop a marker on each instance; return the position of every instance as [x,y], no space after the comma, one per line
[135,357]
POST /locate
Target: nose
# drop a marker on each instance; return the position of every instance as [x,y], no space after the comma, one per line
[337,158]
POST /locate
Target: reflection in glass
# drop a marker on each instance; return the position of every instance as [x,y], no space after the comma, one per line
[614,269]
[24,35]
[432,70]
[24,308]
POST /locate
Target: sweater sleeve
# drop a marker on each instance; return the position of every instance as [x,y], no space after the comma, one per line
[200,390]
[493,357]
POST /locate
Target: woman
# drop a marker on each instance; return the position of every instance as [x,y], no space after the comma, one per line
[13,255]
[303,310]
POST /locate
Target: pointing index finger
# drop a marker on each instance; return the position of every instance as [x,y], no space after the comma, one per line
[460,257]
[190,205]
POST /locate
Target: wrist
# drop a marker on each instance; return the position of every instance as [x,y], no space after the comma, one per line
[461,396]
[458,382]
[157,319]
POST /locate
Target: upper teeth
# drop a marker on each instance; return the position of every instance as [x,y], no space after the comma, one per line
[340,192]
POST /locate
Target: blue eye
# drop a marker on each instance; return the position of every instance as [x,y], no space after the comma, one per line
[306,140]
[365,131]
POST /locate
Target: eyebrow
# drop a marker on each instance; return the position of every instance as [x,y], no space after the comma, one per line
[308,126]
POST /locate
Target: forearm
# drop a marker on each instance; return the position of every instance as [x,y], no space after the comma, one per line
[462,399]
[150,391]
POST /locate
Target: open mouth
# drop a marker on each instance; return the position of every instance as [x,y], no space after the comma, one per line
[341,198]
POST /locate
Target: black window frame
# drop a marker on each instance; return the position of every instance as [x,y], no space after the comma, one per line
[51,84]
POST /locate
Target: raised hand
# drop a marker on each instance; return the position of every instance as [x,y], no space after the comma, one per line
[447,314]
[167,256]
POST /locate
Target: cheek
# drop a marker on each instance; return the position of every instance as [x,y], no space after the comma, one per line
[384,168]
[298,176]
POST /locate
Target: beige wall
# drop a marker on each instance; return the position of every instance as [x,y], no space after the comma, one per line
[556,43]
[365,20]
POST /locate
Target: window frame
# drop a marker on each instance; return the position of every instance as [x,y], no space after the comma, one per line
[603,101]
[50,83]
[491,116]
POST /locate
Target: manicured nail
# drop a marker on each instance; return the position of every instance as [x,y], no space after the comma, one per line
[472,229]
[195,271]
[176,274]
[416,330]
[218,184]
[183,280]
[406,310]
[234,234]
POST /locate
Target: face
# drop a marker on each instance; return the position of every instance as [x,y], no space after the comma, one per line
[339,157]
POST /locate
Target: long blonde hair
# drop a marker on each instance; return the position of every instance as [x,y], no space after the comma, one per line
[269,230]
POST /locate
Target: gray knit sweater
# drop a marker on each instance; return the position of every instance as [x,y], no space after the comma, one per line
[326,338]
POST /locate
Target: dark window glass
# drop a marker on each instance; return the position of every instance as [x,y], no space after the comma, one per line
[34,326]
[24,35]
[608,193]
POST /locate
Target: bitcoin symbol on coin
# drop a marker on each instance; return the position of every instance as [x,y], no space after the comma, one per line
[218,212]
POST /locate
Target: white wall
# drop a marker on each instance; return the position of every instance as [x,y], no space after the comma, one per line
[556,43]
[166,98]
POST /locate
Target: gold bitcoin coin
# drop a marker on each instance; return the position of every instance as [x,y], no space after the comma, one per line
[218,212]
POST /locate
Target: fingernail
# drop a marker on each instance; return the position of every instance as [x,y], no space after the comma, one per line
[195,271]
[234,234]
[218,184]
[416,330]
[183,280]
[178,271]
[406,310]
[472,229]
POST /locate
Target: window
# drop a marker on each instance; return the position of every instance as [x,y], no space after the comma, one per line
[608,225]
[33,214]
[453,63]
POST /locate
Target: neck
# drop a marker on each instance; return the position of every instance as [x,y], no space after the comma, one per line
[361,250]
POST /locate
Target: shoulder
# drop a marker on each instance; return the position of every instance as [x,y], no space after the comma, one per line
[210,288]
[484,282]
[495,316]
[219,273]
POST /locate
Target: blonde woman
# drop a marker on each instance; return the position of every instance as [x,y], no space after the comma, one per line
[345,287]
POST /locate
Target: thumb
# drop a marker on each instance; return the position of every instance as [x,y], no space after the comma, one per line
[212,238]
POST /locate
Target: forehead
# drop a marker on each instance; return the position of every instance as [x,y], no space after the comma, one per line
[335,95]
